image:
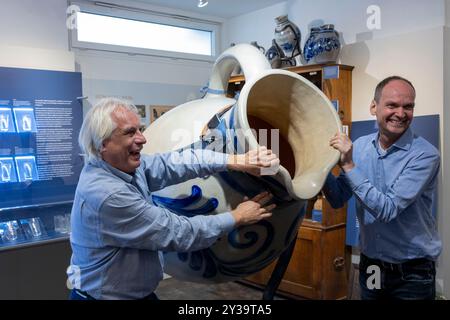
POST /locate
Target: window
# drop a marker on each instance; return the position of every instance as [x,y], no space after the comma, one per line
[132,32]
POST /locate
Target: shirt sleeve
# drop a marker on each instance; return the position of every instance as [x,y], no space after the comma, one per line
[129,221]
[411,183]
[337,191]
[165,169]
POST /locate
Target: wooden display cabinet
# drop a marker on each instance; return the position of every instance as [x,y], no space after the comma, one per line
[320,261]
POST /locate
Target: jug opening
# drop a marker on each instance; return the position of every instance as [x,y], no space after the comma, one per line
[305,120]
[283,150]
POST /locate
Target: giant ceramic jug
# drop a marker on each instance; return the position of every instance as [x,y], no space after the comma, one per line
[302,118]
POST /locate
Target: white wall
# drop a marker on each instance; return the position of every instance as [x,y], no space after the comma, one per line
[36,24]
[447,13]
[33,35]
[376,59]
[144,80]
[415,39]
[255,26]
[350,17]
[36,58]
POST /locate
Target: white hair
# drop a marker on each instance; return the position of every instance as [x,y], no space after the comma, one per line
[98,125]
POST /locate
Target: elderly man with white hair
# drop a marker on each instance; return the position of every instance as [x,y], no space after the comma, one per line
[117,233]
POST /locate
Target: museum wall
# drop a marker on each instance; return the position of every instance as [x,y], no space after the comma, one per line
[254,26]
[145,80]
[35,24]
[34,36]
[398,54]
[374,54]
[350,17]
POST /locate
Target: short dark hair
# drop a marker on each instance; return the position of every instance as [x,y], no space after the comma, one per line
[384,82]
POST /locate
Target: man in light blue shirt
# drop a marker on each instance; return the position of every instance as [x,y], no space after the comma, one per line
[393,175]
[117,234]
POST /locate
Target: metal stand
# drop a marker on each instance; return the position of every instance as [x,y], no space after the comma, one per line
[278,271]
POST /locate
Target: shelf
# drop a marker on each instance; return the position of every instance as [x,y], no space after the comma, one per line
[297,69]
[35,243]
[31,226]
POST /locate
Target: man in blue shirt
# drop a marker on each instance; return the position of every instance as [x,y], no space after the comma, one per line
[393,175]
[117,234]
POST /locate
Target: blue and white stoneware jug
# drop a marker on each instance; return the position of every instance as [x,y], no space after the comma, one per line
[297,114]
[322,45]
[287,36]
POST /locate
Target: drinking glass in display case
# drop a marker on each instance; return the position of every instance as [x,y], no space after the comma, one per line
[62,223]
[33,228]
[10,232]
[45,223]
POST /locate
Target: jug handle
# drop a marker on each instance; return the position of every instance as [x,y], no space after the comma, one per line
[251,60]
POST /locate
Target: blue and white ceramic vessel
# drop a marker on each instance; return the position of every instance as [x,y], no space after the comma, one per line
[322,45]
[276,57]
[287,37]
[303,119]
[310,44]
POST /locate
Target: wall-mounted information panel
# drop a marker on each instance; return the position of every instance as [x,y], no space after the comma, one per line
[40,162]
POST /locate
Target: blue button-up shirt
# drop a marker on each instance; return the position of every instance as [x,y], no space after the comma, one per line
[117,232]
[394,194]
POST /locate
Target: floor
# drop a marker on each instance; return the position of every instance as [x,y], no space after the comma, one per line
[173,289]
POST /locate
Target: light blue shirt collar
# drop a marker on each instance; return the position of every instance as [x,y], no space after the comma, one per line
[119,173]
[404,142]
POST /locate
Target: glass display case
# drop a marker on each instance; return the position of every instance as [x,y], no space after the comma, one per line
[24,226]
[40,161]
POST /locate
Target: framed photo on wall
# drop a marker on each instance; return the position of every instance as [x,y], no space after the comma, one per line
[142,110]
[158,111]
[144,114]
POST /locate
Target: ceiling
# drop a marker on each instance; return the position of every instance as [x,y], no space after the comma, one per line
[219,8]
